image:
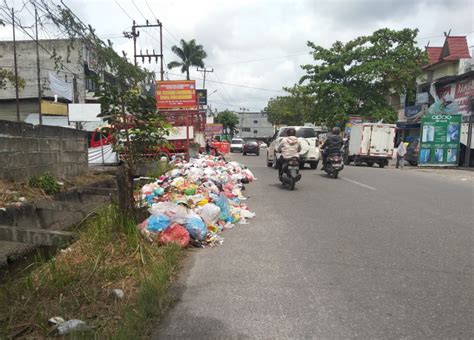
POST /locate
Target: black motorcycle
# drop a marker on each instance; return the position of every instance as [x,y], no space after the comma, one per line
[290,172]
[334,164]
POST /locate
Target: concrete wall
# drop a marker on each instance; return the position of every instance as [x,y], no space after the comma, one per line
[26,59]
[27,150]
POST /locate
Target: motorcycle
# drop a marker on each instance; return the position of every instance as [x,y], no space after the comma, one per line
[290,172]
[334,164]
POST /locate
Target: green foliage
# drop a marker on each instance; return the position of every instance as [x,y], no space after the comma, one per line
[356,78]
[45,182]
[190,54]
[7,76]
[229,121]
[294,109]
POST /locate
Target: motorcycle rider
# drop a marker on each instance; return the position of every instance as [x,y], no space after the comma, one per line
[332,145]
[289,147]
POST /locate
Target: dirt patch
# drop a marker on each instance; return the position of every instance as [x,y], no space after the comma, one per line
[20,192]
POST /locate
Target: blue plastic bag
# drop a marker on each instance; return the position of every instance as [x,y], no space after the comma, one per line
[159,191]
[158,223]
[196,227]
[223,204]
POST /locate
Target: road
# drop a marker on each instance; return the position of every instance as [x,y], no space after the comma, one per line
[377,253]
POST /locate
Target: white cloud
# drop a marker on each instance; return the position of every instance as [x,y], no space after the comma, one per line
[255,42]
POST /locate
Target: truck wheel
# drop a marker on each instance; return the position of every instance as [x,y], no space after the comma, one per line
[370,163]
[412,163]
[381,165]
[301,165]
[314,165]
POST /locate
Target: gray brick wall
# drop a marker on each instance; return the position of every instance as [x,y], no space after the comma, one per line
[27,150]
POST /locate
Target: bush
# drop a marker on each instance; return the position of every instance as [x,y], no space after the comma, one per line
[46,182]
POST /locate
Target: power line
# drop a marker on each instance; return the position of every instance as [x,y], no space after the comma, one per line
[238,85]
[263,59]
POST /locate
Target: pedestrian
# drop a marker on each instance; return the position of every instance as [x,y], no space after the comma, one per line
[401,152]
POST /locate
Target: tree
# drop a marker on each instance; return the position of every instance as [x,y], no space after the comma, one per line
[294,109]
[356,78]
[229,121]
[190,55]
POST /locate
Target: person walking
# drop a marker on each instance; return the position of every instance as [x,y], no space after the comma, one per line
[401,152]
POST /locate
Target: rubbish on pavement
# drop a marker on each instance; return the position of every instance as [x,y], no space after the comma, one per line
[175,234]
[118,293]
[195,201]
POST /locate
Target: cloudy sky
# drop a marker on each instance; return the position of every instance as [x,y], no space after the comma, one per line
[256,47]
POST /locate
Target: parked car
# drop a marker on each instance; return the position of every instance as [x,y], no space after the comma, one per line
[412,152]
[236,145]
[251,146]
[309,141]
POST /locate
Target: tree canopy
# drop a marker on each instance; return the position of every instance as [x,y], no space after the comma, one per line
[190,54]
[229,121]
[357,78]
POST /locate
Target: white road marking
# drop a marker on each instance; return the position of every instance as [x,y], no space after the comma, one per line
[358,183]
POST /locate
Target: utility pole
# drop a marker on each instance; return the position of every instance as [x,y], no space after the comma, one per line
[205,71]
[17,100]
[38,69]
[134,34]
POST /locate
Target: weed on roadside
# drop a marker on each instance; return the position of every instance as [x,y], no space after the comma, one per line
[78,284]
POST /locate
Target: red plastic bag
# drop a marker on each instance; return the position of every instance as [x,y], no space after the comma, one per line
[176,233]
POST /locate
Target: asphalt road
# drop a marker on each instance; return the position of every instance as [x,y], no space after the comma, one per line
[377,253]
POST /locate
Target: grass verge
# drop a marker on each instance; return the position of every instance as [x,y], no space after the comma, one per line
[78,283]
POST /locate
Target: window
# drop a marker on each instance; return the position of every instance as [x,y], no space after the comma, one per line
[255,131]
[305,133]
[255,121]
[245,129]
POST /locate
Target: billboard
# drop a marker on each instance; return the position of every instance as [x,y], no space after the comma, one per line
[214,129]
[202,95]
[351,121]
[176,94]
[439,140]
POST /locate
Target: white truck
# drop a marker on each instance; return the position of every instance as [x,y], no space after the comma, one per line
[370,143]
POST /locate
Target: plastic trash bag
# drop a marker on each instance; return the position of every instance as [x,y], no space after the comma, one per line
[176,233]
[161,208]
[158,223]
[196,227]
[210,213]
[73,325]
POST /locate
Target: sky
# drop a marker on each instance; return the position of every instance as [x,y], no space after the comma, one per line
[256,47]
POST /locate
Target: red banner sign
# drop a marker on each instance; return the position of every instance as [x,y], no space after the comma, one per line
[176,94]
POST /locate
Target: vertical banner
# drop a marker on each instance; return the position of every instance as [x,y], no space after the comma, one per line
[439,140]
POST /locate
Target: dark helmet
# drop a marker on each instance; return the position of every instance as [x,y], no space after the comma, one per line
[336,130]
[291,132]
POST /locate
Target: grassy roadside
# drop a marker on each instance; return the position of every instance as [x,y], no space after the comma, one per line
[78,284]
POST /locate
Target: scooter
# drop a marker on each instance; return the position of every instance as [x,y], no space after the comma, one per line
[334,164]
[290,172]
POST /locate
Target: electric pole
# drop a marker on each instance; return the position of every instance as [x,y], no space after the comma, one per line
[134,34]
[16,69]
[38,69]
[204,78]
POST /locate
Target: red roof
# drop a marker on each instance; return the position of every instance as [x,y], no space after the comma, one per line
[433,54]
[457,48]
[454,48]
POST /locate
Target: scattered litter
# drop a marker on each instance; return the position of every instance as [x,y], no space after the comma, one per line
[195,201]
[70,326]
[57,320]
[463,179]
[118,293]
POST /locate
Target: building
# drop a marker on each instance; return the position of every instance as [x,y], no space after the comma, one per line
[65,75]
[449,76]
[254,125]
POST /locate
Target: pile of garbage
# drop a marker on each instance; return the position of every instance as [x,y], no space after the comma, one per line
[196,201]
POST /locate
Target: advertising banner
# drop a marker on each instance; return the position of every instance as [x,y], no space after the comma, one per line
[459,92]
[439,140]
[214,129]
[202,95]
[176,94]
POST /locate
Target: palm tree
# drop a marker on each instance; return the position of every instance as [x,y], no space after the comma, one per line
[190,55]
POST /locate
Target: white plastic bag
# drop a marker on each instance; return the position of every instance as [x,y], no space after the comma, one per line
[210,213]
